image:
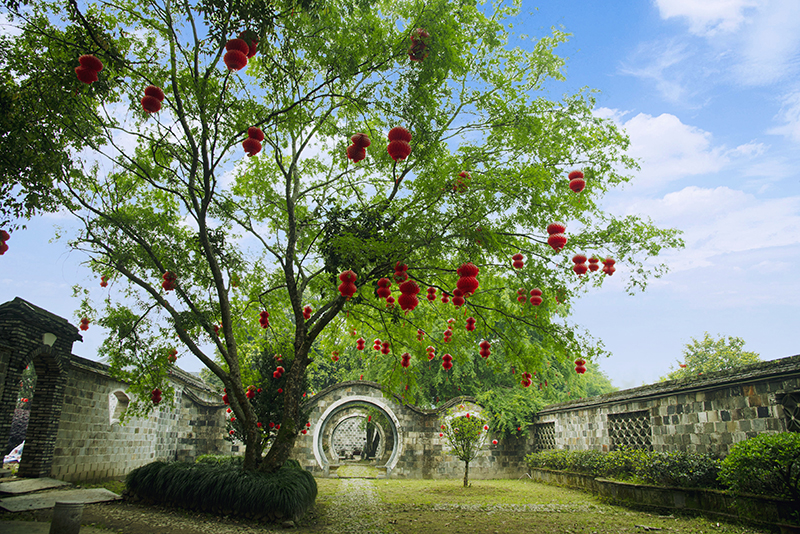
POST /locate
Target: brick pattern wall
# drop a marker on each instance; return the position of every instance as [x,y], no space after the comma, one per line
[90,447]
[707,414]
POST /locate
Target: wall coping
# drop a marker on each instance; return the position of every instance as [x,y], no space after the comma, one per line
[783,367]
[41,317]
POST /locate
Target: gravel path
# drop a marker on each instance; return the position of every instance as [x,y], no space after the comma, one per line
[358,509]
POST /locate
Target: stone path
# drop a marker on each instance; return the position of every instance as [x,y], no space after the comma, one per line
[356,509]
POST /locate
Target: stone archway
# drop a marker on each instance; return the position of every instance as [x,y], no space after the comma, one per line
[327,417]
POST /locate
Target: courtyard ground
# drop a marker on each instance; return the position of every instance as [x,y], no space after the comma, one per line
[367,506]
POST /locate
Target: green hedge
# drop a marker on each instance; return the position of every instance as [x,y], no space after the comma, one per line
[768,464]
[680,469]
[224,488]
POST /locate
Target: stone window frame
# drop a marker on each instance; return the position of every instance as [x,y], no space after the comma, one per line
[118,402]
[545,435]
[790,405]
[630,429]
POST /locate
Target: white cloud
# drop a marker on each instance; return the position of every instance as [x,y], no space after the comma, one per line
[757,42]
[789,116]
[661,63]
[7,27]
[669,150]
[708,17]
[721,221]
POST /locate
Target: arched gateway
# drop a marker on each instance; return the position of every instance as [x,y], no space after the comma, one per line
[409,435]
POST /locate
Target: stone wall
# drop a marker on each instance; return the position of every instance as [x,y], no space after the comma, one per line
[416,450]
[92,445]
[705,414]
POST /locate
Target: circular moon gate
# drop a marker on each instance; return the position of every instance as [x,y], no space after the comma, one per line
[348,402]
[350,433]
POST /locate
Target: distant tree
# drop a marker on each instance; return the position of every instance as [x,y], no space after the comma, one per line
[709,354]
[465,434]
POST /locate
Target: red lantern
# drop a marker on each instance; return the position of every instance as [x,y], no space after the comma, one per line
[577,185]
[580,366]
[84,324]
[400,274]
[408,297]
[169,279]
[593,264]
[239,45]
[608,266]
[155,396]
[348,288]
[517,261]
[447,362]
[251,39]
[103,281]
[356,153]
[580,268]
[151,104]
[307,311]
[385,348]
[361,343]
[458,298]
[470,325]
[556,228]
[251,146]
[398,150]
[557,241]
[263,319]
[462,182]
[384,290]
[398,133]
[155,92]
[445,298]
[431,294]
[90,62]
[579,258]
[361,140]
[405,359]
[485,351]
[235,59]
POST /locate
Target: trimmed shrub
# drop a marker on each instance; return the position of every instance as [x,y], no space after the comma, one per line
[224,488]
[768,464]
[683,469]
[622,463]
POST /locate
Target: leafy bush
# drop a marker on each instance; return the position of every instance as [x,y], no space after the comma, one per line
[768,464]
[224,488]
[683,469]
[662,469]
[622,463]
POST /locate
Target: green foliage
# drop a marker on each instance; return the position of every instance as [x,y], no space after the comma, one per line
[658,468]
[271,232]
[465,435]
[220,460]
[678,468]
[222,487]
[768,464]
[709,355]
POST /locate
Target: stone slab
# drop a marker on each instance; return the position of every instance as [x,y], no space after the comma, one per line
[48,499]
[33,527]
[28,485]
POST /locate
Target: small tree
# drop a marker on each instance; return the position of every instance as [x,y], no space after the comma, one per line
[465,434]
[711,355]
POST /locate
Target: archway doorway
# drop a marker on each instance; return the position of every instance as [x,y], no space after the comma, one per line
[341,434]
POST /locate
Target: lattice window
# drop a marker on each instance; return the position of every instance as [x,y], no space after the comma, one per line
[631,429]
[791,410]
[545,436]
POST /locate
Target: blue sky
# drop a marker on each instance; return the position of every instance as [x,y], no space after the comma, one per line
[709,93]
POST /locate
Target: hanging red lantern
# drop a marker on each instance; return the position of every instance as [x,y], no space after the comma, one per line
[84,324]
[307,311]
[239,45]
[445,298]
[348,287]
[485,351]
[576,181]
[385,348]
[517,262]
[155,92]
[470,325]
[447,362]
[235,59]
[361,343]
[254,132]
[251,146]
[608,266]
[155,396]
[151,104]
[361,140]
[356,153]
[593,264]
[556,228]
[458,298]
[398,150]
[384,285]
[400,274]
[104,281]
[88,61]
[580,366]
[521,295]
[557,241]
[580,268]
[420,334]
[579,258]
[408,295]
[431,294]
[398,133]
[263,319]
[405,359]
[251,40]
[168,280]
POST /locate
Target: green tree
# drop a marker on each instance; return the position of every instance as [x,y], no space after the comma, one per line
[197,239]
[710,354]
[465,434]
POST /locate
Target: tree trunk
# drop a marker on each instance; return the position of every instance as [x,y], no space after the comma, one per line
[466,473]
